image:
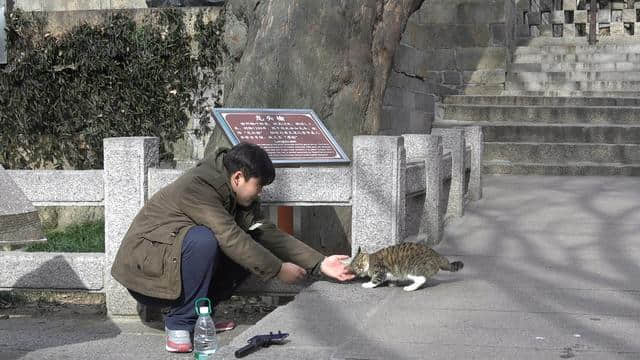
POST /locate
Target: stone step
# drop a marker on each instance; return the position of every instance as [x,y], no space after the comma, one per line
[544,41]
[544,114]
[574,93]
[576,58]
[545,67]
[564,76]
[579,49]
[553,133]
[574,85]
[569,169]
[540,100]
[561,153]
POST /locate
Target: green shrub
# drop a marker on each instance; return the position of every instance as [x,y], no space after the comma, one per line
[60,96]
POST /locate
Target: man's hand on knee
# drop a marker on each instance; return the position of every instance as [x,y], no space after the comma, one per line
[291,273]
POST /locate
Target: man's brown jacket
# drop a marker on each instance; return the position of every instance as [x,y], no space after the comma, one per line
[148,260]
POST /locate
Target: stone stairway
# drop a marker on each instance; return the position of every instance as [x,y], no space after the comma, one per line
[568,109]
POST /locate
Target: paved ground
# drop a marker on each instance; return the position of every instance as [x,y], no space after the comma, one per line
[551,272]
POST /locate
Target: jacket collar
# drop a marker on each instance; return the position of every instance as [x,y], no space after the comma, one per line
[216,165]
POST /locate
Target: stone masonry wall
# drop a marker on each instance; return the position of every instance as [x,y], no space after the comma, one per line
[448,47]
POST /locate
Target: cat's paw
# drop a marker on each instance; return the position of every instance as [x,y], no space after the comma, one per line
[369,285]
[410,288]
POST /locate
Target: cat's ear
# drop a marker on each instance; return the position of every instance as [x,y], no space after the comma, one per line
[359,251]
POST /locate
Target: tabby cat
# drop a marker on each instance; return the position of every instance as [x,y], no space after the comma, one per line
[412,261]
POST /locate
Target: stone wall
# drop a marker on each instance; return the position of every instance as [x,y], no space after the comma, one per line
[448,47]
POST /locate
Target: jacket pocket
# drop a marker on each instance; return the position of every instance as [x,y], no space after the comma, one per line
[149,257]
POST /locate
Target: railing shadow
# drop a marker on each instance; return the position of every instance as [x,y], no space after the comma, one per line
[23,335]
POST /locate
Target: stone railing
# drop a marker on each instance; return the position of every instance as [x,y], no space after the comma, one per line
[394,186]
[569,18]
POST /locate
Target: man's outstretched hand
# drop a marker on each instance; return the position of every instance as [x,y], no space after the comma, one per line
[333,266]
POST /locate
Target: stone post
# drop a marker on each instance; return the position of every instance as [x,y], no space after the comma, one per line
[379,192]
[434,224]
[474,137]
[453,140]
[126,164]
[428,149]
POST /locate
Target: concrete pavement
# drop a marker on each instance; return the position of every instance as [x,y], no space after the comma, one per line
[551,272]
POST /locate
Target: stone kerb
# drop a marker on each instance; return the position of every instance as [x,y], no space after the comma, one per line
[379,192]
[126,164]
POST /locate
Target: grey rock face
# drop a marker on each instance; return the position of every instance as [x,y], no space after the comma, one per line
[334,58]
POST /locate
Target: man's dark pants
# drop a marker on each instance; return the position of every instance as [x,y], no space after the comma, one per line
[206,272]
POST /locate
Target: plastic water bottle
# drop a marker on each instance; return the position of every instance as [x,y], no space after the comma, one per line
[205,342]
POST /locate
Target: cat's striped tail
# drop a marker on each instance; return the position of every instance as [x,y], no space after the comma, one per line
[453,267]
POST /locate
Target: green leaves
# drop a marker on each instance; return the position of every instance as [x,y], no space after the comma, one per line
[60,96]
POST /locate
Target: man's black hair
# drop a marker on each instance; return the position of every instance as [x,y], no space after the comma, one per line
[252,160]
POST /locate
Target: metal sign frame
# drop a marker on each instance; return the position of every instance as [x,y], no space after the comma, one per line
[219,115]
[3,32]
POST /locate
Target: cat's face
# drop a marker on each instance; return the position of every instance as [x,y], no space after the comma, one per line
[360,263]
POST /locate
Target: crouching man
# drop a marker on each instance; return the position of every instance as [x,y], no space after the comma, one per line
[201,235]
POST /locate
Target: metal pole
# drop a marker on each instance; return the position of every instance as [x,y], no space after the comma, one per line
[3,33]
[593,25]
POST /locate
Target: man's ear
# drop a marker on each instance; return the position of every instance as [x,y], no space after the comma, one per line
[235,177]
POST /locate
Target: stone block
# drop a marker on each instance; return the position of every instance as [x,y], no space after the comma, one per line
[636,30]
[424,102]
[569,30]
[480,13]
[406,59]
[534,30]
[447,36]
[91,4]
[618,5]
[569,4]
[603,17]
[616,16]
[580,17]
[481,58]
[522,30]
[436,60]
[418,122]
[557,17]
[546,29]
[393,96]
[617,28]
[472,89]
[453,141]
[60,187]
[379,192]
[498,35]
[126,164]
[545,18]
[534,18]
[44,270]
[629,15]
[546,5]
[487,77]
[452,78]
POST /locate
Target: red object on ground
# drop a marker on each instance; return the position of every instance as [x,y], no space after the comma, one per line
[285,219]
[225,325]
